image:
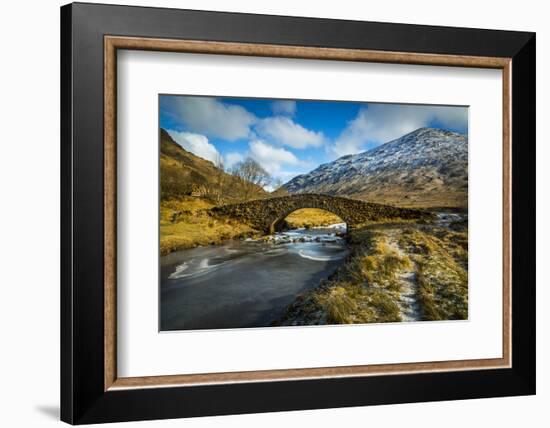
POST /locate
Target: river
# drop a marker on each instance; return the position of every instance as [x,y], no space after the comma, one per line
[245,283]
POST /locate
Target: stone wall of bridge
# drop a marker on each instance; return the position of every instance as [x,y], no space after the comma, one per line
[267,214]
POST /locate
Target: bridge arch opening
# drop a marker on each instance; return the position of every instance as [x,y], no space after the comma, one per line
[309,218]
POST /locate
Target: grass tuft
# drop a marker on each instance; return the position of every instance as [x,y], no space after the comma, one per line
[367,288]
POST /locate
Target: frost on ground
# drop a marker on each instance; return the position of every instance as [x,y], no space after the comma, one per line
[425,168]
[395,273]
[408,302]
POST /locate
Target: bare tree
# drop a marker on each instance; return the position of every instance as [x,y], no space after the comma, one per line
[252,177]
[220,178]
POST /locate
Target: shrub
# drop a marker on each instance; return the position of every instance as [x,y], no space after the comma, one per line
[338,306]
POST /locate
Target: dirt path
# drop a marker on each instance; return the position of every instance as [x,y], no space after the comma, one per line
[408,303]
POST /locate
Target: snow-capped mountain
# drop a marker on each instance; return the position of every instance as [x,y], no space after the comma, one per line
[427,167]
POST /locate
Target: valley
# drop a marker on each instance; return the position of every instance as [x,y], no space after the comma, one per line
[389,270]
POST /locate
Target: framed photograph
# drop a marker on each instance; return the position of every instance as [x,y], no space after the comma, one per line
[267,213]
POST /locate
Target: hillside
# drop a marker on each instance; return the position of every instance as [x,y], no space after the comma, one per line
[425,168]
[190,185]
[182,174]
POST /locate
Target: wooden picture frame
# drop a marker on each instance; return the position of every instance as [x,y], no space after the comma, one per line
[91,390]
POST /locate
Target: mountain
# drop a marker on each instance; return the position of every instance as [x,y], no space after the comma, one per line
[184,174]
[425,168]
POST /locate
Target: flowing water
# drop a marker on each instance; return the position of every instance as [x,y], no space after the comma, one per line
[245,283]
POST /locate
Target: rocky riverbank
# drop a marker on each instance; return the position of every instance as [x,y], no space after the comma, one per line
[394,273]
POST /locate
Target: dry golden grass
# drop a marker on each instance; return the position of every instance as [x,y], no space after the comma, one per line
[442,274]
[364,290]
[311,217]
[172,208]
[367,288]
[408,199]
[338,305]
[184,224]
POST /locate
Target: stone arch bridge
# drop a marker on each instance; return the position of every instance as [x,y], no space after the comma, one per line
[268,214]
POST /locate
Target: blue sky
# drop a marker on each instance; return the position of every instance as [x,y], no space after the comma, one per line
[290,137]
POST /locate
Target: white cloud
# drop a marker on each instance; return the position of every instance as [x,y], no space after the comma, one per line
[272,159]
[380,123]
[284,131]
[231,159]
[196,144]
[284,107]
[213,118]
